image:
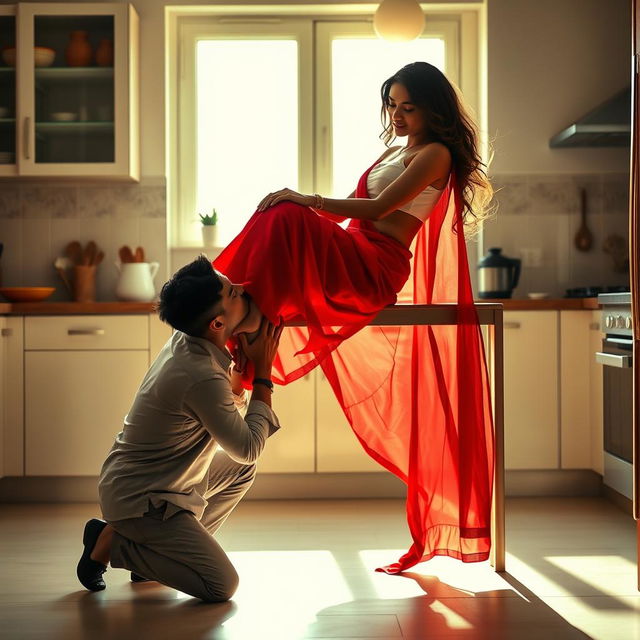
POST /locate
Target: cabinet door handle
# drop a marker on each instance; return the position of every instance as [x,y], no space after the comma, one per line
[6,333]
[511,325]
[26,131]
[613,360]
[85,332]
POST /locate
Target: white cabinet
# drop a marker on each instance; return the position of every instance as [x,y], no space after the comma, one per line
[292,448]
[531,389]
[81,375]
[11,397]
[575,372]
[338,449]
[71,115]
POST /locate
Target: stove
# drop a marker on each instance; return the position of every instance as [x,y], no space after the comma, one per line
[617,360]
[592,292]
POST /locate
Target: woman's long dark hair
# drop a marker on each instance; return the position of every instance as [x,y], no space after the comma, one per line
[448,123]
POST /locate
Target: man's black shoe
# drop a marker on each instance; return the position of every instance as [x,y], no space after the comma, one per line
[89,571]
[138,578]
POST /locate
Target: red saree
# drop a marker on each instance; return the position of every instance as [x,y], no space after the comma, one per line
[417,397]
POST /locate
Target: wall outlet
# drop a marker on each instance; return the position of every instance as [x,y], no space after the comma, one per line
[531,256]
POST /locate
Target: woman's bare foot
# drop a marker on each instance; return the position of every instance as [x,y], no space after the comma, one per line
[102,551]
[250,324]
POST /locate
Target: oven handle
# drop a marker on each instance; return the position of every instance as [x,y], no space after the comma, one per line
[627,342]
[613,360]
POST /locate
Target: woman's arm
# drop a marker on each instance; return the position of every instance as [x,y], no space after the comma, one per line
[428,165]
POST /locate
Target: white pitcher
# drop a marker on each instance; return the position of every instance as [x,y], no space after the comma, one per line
[135,283]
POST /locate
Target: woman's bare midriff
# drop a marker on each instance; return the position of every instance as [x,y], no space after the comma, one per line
[400,226]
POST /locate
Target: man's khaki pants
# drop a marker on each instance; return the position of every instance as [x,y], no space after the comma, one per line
[180,551]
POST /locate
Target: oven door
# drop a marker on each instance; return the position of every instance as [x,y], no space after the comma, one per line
[617,358]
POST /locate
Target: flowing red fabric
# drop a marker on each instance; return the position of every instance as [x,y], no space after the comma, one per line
[416,397]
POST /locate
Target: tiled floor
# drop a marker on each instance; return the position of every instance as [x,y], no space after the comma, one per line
[307,571]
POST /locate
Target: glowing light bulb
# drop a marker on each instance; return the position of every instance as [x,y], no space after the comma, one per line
[398,20]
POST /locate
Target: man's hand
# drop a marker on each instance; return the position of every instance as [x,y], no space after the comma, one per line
[263,349]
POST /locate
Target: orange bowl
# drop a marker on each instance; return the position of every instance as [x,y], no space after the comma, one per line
[26,294]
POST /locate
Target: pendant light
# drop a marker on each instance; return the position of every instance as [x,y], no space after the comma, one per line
[398,20]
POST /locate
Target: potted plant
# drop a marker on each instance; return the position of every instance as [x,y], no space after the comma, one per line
[209,229]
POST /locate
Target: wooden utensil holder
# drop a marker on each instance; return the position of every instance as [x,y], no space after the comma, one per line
[84,283]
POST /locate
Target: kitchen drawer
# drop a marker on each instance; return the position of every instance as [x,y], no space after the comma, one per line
[89,332]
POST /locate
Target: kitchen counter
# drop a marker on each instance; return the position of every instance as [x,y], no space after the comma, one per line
[108,308]
[74,308]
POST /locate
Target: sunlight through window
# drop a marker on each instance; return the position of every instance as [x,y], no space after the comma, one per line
[247,127]
[321,585]
[356,99]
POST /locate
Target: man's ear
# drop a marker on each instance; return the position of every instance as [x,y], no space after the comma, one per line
[217,324]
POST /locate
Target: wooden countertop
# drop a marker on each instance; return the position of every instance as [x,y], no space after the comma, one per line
[110,308]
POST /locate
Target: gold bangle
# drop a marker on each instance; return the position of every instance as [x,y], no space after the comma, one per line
[319,201]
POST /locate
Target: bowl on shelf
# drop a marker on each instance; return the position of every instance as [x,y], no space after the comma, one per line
[9,56]
[64,116]
[7,157]
[26,294]
[43,56]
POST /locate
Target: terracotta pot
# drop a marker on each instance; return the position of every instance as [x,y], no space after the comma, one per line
[104,53]
[78,52]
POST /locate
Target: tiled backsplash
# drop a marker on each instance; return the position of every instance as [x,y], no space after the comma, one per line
[37,220]
[537,214]
[540,214]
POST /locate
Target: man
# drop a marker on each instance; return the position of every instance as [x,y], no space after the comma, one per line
[186,456]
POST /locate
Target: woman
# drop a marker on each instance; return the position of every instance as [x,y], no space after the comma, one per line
[416,397]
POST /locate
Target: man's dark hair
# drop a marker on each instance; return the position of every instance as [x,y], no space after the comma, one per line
[188,301]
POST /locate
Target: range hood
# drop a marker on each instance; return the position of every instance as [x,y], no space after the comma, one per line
[608,125]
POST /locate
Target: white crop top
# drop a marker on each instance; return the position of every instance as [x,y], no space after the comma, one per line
[385,172]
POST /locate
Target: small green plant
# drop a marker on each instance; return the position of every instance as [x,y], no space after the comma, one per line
[209,221]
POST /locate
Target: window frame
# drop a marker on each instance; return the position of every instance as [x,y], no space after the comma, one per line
[314,32]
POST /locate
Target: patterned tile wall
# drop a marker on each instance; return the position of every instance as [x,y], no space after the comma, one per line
[541,214]
[37,220]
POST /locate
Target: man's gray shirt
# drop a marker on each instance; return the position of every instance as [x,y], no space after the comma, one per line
[182,412]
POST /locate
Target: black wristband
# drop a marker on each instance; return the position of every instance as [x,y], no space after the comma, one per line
[266,382]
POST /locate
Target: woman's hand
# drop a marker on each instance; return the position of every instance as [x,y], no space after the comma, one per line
[285,194]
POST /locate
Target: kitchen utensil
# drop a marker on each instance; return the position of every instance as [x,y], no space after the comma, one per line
[99,258]
[135,283]
[74,252]
[84,283]
[139,257]
[89,254]
[61,265]
[584,239]
[43,56]
[64,116]
[26,294]
[125,254]
[499,275]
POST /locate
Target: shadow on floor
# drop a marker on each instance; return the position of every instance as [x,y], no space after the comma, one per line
[448,612]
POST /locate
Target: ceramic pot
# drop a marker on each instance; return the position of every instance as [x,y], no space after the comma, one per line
[209,235]
[135,283]
[104,53]
[78,52]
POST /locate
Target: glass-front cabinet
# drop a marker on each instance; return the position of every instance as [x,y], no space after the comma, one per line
[7,91]
[75,68]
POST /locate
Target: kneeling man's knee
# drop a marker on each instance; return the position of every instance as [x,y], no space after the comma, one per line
[222,588]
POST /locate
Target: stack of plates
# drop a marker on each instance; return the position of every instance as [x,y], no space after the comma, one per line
[7,157]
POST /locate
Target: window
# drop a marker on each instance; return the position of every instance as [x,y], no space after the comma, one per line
[263,103]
